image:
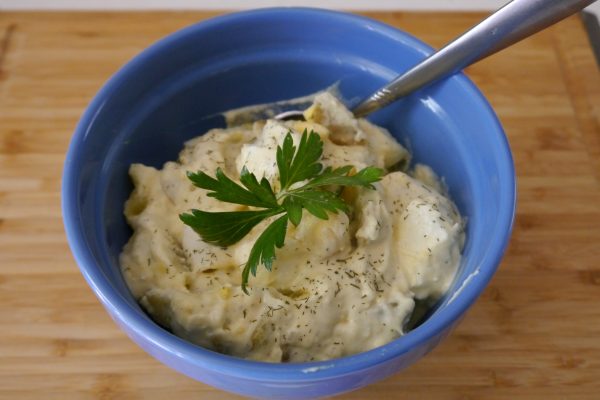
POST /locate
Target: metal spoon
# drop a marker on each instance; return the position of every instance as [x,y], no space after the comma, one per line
[511,23]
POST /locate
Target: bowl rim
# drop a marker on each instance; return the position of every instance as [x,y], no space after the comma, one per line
[176,347]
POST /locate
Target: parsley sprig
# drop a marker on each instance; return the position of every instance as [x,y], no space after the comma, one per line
[304,185]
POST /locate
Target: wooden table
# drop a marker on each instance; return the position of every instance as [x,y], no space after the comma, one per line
[534,334]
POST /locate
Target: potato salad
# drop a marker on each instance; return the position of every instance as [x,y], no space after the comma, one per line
[339,286]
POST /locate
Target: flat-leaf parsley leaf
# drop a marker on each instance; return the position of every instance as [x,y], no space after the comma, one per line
[304,185]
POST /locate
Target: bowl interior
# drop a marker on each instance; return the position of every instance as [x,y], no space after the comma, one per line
[176,90]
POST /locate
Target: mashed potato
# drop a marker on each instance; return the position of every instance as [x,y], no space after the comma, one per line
[338,287]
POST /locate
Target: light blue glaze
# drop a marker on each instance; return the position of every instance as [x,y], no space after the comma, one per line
[163,97]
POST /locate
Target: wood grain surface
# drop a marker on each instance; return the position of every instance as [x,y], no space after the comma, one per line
[534,334]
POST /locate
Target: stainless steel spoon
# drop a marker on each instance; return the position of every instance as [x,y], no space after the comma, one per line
[511,23]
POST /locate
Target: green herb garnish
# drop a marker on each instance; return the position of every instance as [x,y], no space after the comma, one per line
[295,165]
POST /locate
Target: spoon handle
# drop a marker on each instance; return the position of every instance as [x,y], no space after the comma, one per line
[511,23]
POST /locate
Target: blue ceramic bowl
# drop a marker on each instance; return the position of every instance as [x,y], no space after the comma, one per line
[167,94]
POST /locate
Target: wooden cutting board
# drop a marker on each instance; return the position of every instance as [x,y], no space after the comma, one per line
[534,334]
